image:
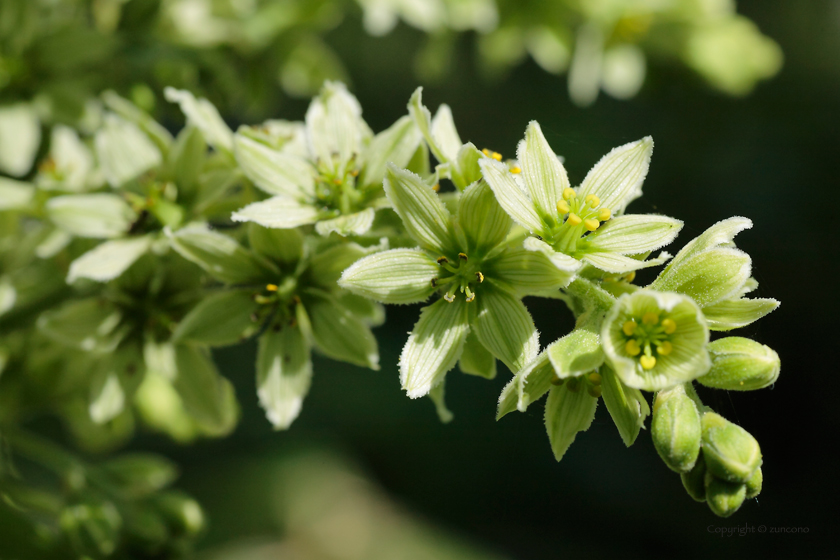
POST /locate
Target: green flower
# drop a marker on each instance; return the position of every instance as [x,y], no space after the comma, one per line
[655,340]
[330,175]
[583,225]
[284,292]
[480,277]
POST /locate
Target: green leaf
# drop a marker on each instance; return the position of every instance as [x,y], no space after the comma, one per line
[340,335]
[511,196]
[15,195]
[504,326]
[634,234]
[736,313]
[423,214]
[279,212]
[276,172]
[529,384]
[483,221]
[627,406]
[567,413]
[109,260]
[527,272]
[395,276]
[575,354]
[720,234]
[203,115]
[20,137]
[708,277]
[617,178]
[741,364]
[335,128]
[283,246]
[100,215]
[284,373]
[124,152]
[544,176]
[397,144]
[221,256]
[350,224]
[434,346]
[207,396]
[476,359]
[220,319]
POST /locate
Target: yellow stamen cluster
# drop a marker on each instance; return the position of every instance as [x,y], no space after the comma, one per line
[647,336]
[491,154]
[586,212]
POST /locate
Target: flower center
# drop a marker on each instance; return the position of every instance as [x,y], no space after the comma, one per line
[277,304]
[576,217]
[336,190]
[462,276]
[591,382]
[647,336]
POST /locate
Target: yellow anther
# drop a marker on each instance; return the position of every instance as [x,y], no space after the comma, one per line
[271,287]
[629,328]
[462,256]
[563,207]
[604,214]
[470,297]
[486,152]
[595,378]
[355,173]
[449,297]
[480,277]
[569,193]
[664,349]
[632,347]
[592,200]
[336,181]
[647,362]
[650,318]
[591,224]
[497,156]
[573,219]
[630,277]
[442,260]
[669,325]
[436,188]
[516,170]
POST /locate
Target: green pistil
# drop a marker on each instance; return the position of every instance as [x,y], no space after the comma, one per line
[463,278]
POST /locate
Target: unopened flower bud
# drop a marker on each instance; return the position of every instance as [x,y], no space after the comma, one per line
[675,429]
[181,512]
[724,498]
[92,528]
[741,364]
[694,480]
[754,484]
[731,453]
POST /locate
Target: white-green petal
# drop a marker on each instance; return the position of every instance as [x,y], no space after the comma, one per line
[334,126]
[284,246]
[280,212]
[20,137]
[395,276]
[627,406]
[562,261]
[708,277]
[619,264]
[483,221]
[327,265]
[527,272]
[8,295]
[100,215]
[464,169]
[510,195]
[434,346]
[350,224]
[445,133]
[274,171]
[423,119]
[340,335]
[736,313]
[395,144]
[107,398]
[15,195]
[476,359]
[527,386]
[207,396]
[88,324]
[108,260]
[720,234]
[424,216]
[504,326]
[219,255]
[203,115]
[132,113]
[124,151]
[544,176]
[575,354]
[617,179]
[437,395]
[567,413]
[284,373]
[73,162]
[219,319]
[634,234]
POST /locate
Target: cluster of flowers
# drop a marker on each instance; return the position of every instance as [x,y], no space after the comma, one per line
[295,234]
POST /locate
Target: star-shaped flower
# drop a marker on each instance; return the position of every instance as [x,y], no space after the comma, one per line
[581,225]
